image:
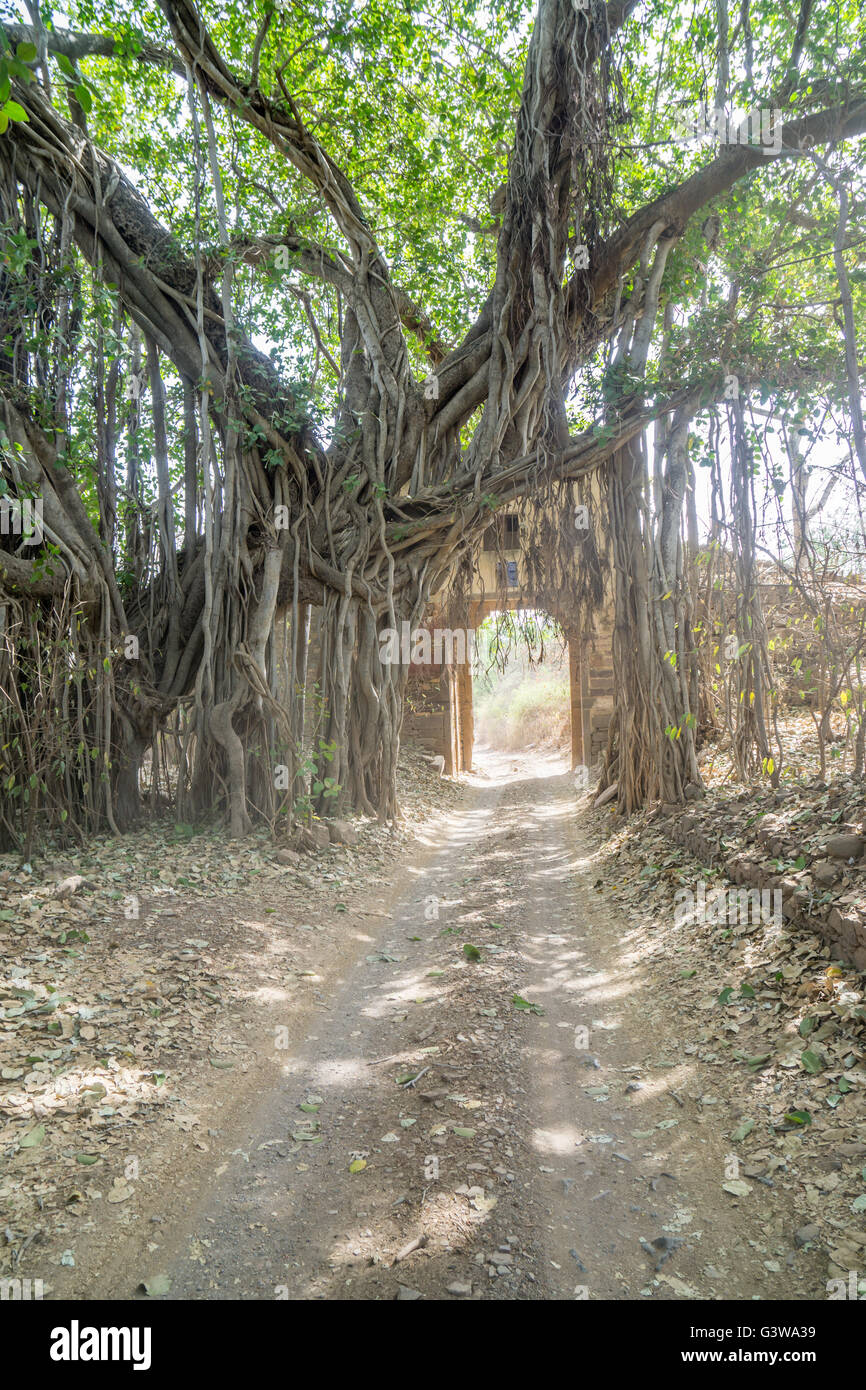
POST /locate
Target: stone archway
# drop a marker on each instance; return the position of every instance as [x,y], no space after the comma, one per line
[440,712]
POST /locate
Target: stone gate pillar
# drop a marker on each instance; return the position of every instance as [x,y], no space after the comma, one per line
[466,719]
[575,688]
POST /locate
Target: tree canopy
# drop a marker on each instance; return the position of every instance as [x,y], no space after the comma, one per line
[294,298]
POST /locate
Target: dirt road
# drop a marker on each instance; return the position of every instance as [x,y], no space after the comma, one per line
[576,1148]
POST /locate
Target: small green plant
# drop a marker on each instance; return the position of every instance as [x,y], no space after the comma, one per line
[328,787]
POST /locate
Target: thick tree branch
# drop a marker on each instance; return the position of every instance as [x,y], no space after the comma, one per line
[280,124]
[675,207]
[75,44]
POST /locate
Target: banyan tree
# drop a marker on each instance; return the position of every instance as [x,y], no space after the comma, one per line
[295,299]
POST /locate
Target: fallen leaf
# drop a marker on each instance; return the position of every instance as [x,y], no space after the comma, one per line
[520,1003]
[158,1284]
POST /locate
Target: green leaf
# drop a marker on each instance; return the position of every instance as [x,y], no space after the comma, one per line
[33,1138]
[745,1128]
[806,1025]
[760,1060]
[521,1003]
[725,995]
[83,97]
[15,112]
[811,1062]
[798,1117]
[471,952]
[26,52]
[746,992]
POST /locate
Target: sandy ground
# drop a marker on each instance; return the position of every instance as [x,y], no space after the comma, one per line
[402,1094]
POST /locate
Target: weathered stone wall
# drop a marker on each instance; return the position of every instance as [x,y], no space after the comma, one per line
[427,712]
[598,690]
[824,896]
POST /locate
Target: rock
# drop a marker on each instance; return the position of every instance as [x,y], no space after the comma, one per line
[693,792]
[826,873]
[313,838]
[68,886]
[844,846]
[407,1295]
[459,1290]
[342,833]
[768,829]
[287,856]
[805,1234]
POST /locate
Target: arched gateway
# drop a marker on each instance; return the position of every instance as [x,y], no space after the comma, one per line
[439,708]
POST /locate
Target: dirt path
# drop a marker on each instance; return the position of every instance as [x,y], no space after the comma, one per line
[574,1152]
